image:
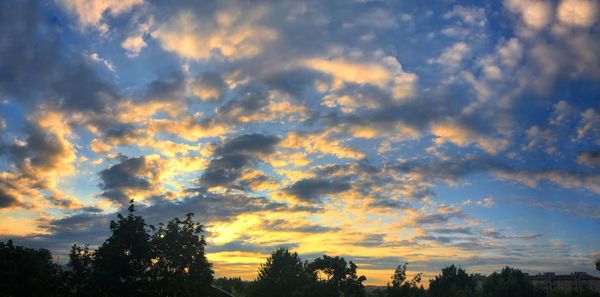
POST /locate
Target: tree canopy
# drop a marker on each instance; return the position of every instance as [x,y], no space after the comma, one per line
[27,272]
[509,282]
[453,282]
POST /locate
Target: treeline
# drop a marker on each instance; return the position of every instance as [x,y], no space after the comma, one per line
[285,274]
[136,260]
[170,260]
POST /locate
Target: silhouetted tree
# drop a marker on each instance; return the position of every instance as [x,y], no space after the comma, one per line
[403,288]
[28,272]
[453,282]
[598,264]
[353,286]
[283,275]
[122,261]
[510,282]
[233,285]
[337,276]
[80,264]
[179,265]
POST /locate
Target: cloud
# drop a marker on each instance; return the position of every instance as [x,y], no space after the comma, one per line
[7,200]
[320,143]
[42,69]
[230,33]
[589,127]
[92,12]
[579,13]
[130,178]
[453,56]
[541,139]
[134,45]
[461,135]
[234,156]
[46,153]
[436,218]
[453,170]
[589,158]
[386,74]
[470,15]
[281,225]
[313,189]
[534,13]
[511,52]
[576,207]
[96,58]
[209,87]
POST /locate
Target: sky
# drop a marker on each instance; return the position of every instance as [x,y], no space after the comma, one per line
[427,132]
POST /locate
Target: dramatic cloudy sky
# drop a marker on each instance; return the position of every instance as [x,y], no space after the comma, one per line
[433,132]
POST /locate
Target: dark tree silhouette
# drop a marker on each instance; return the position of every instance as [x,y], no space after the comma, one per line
[28,272]
[283,275]
[510,282]
[80,264]
[403,288]
[339,276]
[179,264]
[233,285]
[453,282]
[122,261]
[598,264]
[170,261]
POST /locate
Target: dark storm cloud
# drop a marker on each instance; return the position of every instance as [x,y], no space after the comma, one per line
[40,67]
[312,189]
[234,156]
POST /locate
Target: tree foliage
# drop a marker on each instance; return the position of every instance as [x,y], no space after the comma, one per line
[28,272]
[285,274]
[509,282]
[401,287]
[336,276]
[453,282]
[122,261]
[80,264]
[179,264]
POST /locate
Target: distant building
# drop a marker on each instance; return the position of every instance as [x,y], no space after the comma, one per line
[478,278]
[577,281]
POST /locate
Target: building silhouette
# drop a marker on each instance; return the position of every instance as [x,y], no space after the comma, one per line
[577,281]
